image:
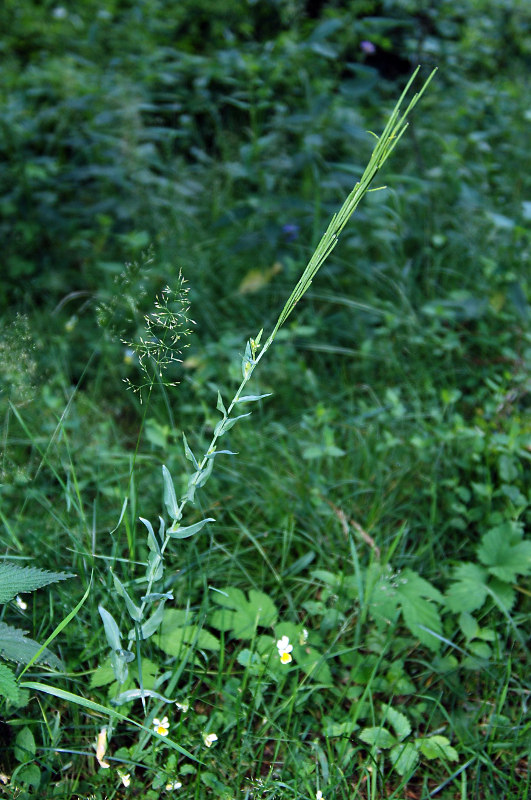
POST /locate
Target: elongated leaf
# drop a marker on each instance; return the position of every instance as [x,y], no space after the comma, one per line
[15,579]
[227,424]
[61,694]
[170,498]
[189,530]
[112,631]
[220,405]
[252,398]
[152,540]
[134,611]
[188,453]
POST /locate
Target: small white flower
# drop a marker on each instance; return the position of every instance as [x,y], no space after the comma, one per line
[182,707]
[126,778]
[284,650]
[210,738]
[161,726]
[319,795]
[303,637]
[173,785]
[21,603]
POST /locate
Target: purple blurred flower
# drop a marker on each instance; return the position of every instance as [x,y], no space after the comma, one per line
[367,47]
[290,231]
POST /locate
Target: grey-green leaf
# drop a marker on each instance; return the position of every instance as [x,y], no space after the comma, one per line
[189,530]
[134,610]
[170,498]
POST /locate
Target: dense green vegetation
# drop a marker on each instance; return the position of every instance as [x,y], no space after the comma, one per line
[354,624]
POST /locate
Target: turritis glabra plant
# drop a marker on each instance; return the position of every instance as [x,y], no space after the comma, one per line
[166,333]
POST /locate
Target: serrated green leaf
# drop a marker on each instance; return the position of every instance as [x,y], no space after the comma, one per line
[502,593]
[188,530]
[14,646]
[469,590]
[8,684]
[398,721]
[468,625]
[15,579]
[170,498]
[241,616]
[420,615]
[24,749]
[437,747]
[404,757]
[503,552]
[378,737]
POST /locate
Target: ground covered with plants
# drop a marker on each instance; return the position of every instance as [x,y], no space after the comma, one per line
[242,568]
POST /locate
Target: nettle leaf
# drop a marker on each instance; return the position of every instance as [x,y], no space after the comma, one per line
[504,553]
[437,747]
[8,684]
[380,738]
[15,579]
[14,646]
[404,757]
[242,616]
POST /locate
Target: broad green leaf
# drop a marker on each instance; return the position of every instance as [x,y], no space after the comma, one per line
[8,684]
[174,640]
[503,552]
[24,746]
[15,579]
[502,593]
[189,530]
[404,757]
[469,590]
[242,616]
[398,721]
[170,498]
[378,737]
[102,675]
[27,774]
[14,646]
[437,747]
